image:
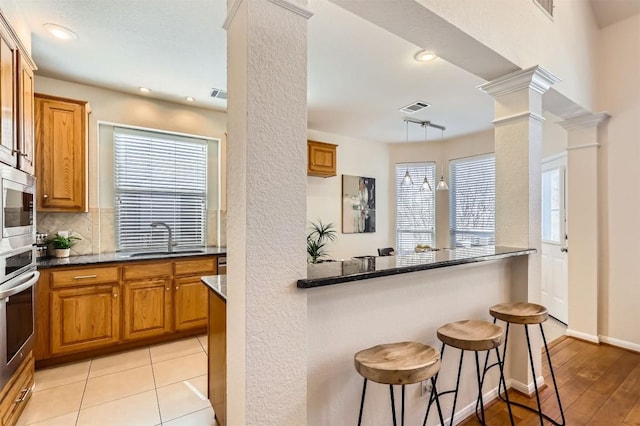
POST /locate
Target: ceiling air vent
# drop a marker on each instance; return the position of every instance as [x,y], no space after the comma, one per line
[414,107]
[218,94]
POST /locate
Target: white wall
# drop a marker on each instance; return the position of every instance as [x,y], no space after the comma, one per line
[554,137]
[324,201]
[619,94]
[523,34]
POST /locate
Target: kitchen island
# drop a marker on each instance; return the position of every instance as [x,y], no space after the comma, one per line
[393,299]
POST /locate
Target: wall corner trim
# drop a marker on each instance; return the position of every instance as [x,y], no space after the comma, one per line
[582,336]
[286,4]
[585,121]
[535,78]
[518,116]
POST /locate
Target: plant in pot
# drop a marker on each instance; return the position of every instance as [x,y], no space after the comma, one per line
[62,245]
[317,240]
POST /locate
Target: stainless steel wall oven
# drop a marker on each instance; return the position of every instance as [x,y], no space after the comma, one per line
[18,275]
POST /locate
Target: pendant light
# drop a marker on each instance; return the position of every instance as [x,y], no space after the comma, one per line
[442,184]
[425,182]
[406,180]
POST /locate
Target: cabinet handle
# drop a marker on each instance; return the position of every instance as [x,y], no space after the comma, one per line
[23,395]
[168,288]
[45,196]
[176,287]
[83,277]
[115,294]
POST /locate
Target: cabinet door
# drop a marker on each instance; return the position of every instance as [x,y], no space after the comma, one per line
[61,148]
[146,308]
[190,303]
[84,318]
[25,118]
[321,159]
[7,102]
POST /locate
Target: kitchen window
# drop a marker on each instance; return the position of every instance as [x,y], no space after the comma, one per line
[415,206]
[159,177]
[472,201]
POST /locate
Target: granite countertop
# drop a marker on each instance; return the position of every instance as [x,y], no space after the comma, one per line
[217,283]
[329,273]
[118,257]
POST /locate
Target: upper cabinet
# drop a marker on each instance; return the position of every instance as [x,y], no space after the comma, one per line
[321,159]
[8,151]
[26,142]
[61,146]
[16,100]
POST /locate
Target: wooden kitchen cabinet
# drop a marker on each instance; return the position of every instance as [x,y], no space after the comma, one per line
[61,146]
[147,300]
[321,159]
[26,141]
[190,303]
[16,394]
[8,152]
[92,310]
[84,318]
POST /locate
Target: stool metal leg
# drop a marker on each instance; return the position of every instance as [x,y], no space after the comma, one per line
[393,405]
[455,395]
[434,395]
[478,374]
[364,390]
[402,405]
[553,376]
[533,372]
[434,390]
[502,380]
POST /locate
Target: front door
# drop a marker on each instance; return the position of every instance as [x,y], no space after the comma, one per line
[554,239]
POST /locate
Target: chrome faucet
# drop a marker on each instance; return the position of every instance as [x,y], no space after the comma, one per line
[170,242]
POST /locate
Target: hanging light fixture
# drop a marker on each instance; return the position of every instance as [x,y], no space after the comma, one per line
[425,182]
[442,184]
[406,180]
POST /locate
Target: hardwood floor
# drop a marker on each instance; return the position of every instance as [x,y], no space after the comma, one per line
[599,385]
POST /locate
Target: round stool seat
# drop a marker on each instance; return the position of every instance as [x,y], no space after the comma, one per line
[520,313]
[471,335]
[398,363]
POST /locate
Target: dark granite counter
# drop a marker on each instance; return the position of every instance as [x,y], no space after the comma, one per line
[218,284]
[94,259]
[329,273]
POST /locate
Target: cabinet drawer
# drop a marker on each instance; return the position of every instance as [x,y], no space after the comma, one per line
[205,265]
[75,277]
[149,270]
[17,393]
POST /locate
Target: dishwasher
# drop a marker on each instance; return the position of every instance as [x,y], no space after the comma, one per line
[222,265]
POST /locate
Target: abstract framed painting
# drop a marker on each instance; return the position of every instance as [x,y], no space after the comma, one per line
[358,204]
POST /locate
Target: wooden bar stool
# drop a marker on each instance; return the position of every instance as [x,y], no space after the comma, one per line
[398,364]
[527,314]
[476,336]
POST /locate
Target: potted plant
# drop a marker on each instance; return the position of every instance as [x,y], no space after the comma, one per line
[317,239]
[62,245]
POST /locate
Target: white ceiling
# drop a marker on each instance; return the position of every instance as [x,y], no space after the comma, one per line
[609,12]
[359,74]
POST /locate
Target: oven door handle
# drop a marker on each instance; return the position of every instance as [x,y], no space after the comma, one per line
[24,284]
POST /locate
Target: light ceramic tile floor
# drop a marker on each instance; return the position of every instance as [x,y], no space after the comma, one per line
[164,384]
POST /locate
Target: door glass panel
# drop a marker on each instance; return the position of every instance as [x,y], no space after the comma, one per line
[551,205]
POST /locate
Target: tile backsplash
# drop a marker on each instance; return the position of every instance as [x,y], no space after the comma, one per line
[96,229]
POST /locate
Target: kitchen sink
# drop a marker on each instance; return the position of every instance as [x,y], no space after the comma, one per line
[164,253]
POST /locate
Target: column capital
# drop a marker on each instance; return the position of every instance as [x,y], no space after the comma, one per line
[585,121]
[535,78]
[290,5]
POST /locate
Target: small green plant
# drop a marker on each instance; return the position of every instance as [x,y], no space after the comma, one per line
[60,242]
[317,240]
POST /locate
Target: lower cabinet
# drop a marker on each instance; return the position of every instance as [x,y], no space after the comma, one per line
[16,394]
[84,318]
[92,309]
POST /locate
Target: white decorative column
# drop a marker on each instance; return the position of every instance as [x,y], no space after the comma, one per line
[266,224]
[583,180]
[518,146]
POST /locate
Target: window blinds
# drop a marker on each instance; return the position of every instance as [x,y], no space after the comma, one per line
[159,177]
[472,200]
[415,207]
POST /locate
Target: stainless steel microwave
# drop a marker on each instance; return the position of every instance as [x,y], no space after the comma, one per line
[18,208]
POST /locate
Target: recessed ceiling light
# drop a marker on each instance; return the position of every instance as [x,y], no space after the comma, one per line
[424,56]
[60,32]
[189,99]
[144,89]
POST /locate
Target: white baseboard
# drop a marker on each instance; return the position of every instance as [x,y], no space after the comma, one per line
[527,389]
[583,336]
[620,343]
[469,410]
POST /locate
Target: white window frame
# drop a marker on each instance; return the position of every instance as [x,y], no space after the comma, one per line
[417,172]
[464,235]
